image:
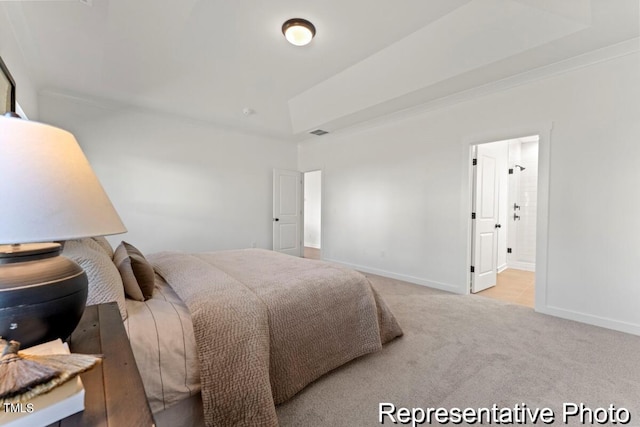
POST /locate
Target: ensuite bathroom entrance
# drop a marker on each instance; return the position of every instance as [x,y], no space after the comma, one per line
[505,177]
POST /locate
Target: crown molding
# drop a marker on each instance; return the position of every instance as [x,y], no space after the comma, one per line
[584,60]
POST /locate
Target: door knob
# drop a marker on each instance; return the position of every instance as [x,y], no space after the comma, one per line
[498,226]
[276,219]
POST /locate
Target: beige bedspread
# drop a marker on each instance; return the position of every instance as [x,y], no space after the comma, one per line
[268,324]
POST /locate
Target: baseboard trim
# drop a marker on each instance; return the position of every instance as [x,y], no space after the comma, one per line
[404,277]
[526,266]
[502,268]
[603,322]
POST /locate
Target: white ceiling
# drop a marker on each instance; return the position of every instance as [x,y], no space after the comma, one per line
[210,59]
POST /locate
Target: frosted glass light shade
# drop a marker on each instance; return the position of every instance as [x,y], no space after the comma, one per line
[298,31]
[48,191]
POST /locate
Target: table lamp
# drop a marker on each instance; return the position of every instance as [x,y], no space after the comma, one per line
[48,194]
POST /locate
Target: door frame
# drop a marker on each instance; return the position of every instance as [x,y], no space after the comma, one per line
[543,130]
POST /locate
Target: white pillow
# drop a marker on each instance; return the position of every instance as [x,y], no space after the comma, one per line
[105,283]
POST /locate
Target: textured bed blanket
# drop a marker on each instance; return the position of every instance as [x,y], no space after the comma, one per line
[268,324]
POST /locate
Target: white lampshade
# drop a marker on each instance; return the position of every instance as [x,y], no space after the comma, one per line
[48,191]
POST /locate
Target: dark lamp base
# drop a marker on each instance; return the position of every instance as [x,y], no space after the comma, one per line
[42,294]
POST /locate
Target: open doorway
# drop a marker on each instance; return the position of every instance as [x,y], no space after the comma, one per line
[313,214]
[503,232]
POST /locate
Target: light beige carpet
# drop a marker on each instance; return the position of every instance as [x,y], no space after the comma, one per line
[471,351]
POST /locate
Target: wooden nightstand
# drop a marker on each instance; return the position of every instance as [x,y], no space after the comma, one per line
[114,394]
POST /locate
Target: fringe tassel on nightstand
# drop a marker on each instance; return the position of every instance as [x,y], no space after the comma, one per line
[24,376]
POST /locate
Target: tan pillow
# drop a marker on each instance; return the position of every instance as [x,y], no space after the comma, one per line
[137,274]
[105,284]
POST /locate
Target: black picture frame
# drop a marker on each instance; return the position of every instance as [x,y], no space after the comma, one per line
[7,90]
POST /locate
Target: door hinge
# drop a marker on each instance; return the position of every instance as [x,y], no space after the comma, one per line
[473,215]
[475,162]
[473,269]
[510,171]
[508,250]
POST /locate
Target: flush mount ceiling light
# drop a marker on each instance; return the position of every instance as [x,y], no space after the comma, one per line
[298,31]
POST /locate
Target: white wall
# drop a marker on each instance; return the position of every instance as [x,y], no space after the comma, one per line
[177,184]
[312,208]
[396,192]
[528,196]
[522,233]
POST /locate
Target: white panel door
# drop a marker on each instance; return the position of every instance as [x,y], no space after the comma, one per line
[287,212]
[485,225]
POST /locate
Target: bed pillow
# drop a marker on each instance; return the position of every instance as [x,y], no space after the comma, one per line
[137,274]
[105,245]
[105,284]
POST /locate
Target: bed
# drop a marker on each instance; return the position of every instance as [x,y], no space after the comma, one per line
[221,338]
